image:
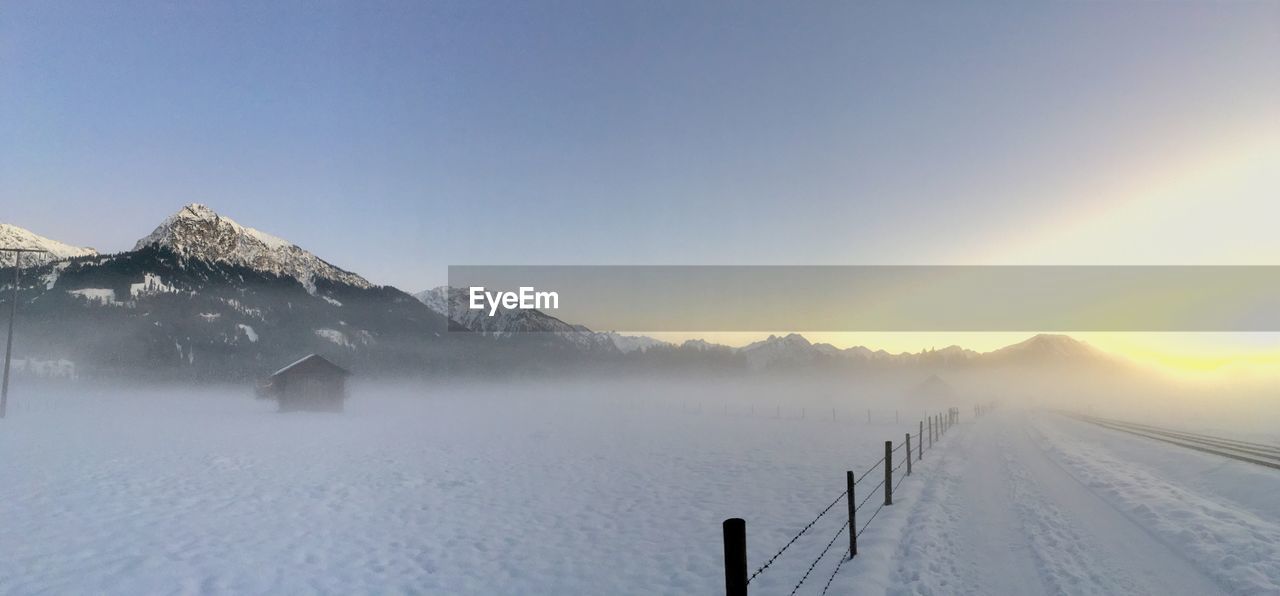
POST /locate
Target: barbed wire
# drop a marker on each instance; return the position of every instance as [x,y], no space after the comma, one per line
[848,554]
[796,537]
[897,483]
[822,554]
[873,516]
[869,470]
[848,557]
[870,493]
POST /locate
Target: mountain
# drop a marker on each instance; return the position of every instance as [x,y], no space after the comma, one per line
[203,297]
[633,343]
[788,351]
[12,236]
[197,232]
[1049,349]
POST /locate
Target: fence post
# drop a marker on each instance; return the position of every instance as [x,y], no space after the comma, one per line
[853,516]
[888,472]
[908,454]
[735,557]
[920,435]
[931,432]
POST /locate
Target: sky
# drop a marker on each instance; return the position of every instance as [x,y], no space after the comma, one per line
[397,138]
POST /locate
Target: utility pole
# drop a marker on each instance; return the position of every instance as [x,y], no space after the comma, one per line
[13,313]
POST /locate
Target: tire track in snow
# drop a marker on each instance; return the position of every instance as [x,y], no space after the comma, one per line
[1234,547]
[1066,563]
[996,515]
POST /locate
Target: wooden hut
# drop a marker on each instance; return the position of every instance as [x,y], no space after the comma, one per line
[311,383]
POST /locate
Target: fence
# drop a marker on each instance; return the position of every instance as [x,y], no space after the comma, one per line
[736,576]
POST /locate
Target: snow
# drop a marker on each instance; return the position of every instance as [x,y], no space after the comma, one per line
[600,488]
[334,336]
[12,236]
[197,231]
[150,284]
[102,295]
[48,369]
[439,489]
[332,301]
[1040,504]
[631,343]
[248,332]
[242,309]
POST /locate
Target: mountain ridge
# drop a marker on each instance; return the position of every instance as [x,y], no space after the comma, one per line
[12,236]
[196,231]
[202,291]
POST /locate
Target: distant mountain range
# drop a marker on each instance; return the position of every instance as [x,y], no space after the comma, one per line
[205,297]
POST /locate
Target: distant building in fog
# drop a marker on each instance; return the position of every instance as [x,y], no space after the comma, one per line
[311,383]
[932,390]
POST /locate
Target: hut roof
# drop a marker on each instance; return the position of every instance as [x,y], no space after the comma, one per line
[312,361]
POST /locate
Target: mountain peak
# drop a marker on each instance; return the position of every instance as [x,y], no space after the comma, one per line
[1050,347]
[196,231]
[12,236]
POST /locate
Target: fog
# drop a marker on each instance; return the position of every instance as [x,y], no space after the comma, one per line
[470,486]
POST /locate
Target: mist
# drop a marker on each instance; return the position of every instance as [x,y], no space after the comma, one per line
[534,485]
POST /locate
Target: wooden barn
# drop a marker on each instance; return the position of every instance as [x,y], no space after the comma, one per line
[311,384]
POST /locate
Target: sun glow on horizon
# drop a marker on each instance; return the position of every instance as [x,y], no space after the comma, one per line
[1169,351]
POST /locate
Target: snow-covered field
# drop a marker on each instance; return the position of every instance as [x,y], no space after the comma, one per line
[601,488]
[577,488]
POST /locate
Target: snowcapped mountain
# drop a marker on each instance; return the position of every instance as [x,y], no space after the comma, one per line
[12,236]
[632,343]
[789,350]
[196,231]
[204,297]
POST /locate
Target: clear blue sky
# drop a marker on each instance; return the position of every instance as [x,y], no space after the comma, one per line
[395,138]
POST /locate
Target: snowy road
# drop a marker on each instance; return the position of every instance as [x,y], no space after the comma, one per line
[1025,503]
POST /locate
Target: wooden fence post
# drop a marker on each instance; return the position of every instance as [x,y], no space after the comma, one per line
[920,435]
[853,516]
[888,472]
[908,454]
[735,557]
[931,432]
